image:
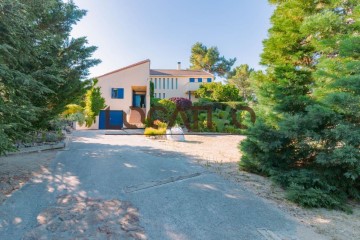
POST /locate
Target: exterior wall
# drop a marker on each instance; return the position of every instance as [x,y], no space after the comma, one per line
[184,86]
[134,76]
[126,78]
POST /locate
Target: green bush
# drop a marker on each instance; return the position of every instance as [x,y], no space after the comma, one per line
[154,132]
[160,130]
[218,92]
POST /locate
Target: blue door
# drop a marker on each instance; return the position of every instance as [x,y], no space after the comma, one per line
[102,120]
[111,119]
[116,120]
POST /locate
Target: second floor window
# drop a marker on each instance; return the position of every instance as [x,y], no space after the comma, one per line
[117,93]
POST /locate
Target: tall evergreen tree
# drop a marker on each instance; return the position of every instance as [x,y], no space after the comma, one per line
[41,66]
[307,132]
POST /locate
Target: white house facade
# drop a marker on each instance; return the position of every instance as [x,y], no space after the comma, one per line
[178,83]
[127,91]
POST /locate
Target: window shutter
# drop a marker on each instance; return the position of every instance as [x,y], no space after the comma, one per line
[199,79]
[120,93]
[209,80]
[192,79]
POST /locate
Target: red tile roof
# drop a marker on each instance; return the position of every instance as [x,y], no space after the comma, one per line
[130,66]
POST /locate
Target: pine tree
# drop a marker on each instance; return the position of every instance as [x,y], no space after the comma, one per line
[209,59]
[307,131]
[240,77]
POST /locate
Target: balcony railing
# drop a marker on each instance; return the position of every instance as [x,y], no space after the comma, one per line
[192,86]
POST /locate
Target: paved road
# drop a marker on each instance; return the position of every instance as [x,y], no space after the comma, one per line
[122,187]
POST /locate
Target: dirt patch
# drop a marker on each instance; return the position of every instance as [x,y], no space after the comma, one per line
[221,155]
[16,170]
[86,218]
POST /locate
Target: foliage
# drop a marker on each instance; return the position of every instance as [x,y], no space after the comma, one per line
[307,134]
[209,59]
[160,124]
[149,131]
[152,89]
[181,103]
[168,105]
[160,130]
[218,92]
[222,120]
[72,109]
[154,101]
[41,66]
[93,102]
[240,78]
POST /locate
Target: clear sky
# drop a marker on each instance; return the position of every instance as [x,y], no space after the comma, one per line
[128,31]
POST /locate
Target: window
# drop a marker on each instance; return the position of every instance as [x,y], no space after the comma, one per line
[167,84]
[117,93]
[159,95]
[163,95]
[199,79]
[176,84]
[172,83]
[155,83]
[163,83]
[192,79]
[209,80]
[159,84]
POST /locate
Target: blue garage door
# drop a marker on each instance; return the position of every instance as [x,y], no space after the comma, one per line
[112,119]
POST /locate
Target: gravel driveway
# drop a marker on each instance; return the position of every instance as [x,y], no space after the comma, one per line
[131,187]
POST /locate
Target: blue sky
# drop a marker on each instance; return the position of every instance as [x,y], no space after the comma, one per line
[128,31]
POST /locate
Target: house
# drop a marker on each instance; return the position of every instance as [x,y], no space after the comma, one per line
[127,91]
[178,83]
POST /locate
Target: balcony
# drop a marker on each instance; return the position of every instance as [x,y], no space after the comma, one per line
[192,86]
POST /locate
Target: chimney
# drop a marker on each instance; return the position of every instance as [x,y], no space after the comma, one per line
[179,66]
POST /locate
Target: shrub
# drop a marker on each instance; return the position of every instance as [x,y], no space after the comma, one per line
[160,124]
[218,92]
[182,103]
[154,132]
[160,115]
[161,130]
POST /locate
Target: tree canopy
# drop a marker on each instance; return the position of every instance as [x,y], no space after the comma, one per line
[307,134]
[209,59]
[41,66]
[240,78]
[218,92]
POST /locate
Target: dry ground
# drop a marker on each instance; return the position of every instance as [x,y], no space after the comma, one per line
[16,170]
[220,154]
